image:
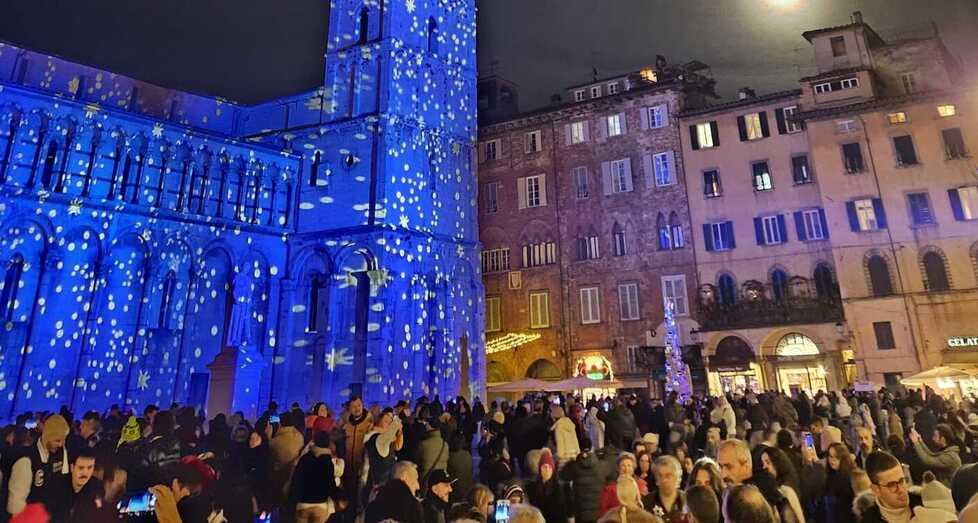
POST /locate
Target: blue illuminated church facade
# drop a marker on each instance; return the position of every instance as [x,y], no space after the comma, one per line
[158,246]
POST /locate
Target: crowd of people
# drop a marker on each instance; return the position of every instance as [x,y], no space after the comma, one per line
[867,457]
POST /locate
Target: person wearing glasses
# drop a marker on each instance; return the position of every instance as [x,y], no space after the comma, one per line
[894,502]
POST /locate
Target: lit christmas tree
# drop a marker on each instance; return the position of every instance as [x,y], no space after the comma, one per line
[677,374]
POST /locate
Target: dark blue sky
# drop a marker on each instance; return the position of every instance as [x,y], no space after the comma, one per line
[251,50]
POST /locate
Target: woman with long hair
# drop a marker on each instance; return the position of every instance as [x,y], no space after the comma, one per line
[838,486]
[644,468]
[777,463]
[706,472]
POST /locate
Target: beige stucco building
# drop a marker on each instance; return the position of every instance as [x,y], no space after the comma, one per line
[892,128]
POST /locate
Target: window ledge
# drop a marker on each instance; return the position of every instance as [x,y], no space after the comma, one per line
[907,165]
[931,225]
[806,182]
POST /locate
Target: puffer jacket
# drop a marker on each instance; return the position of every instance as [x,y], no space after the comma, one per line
[284,450]
[620,428]
[155,457]
[587,476]
[432,453]
[943,463]
[565,438]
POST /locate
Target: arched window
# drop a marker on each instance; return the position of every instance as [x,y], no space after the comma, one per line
[618,240]
[727,289]
[317,286]
[825,288]
[935,272]
[665,237]
[47,171]
[166,300]
[796,344]
[314,171]
[11,284]
[364,26]
[543,369]
[779,284]
[879,276]
[676,231]
[432,36]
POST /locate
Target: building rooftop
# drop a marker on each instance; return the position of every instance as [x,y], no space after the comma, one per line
[742,102]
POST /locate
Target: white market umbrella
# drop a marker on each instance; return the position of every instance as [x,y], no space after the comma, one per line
[584,382]
[932,375]
[523,385]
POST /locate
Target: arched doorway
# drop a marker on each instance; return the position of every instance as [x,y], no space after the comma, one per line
[800,365]
[544,369]
[496,372]
[733,368]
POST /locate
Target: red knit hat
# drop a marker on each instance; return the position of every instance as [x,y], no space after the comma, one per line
[546,458]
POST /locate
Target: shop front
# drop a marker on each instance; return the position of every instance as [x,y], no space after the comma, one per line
[799,365]
[733,368]
[596,367]
[961,352]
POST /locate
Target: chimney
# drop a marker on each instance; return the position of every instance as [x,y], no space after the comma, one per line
[745,93]
[555,99]
[857,17]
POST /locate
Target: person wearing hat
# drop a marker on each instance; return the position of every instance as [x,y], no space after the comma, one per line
[435,504]
[42,473]
[545,492]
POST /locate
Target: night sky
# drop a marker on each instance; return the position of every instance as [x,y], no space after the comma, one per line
[253,50]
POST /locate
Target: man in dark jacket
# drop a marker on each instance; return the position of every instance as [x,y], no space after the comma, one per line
[435,504]
[311,487]
[619,426]
[86,497]
[587,477]
[162,450]
[396,500]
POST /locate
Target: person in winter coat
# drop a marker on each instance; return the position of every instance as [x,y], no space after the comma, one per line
[161,450]
[313,494]
[460,465]
[436,499]
[395,500]
[620,426]
[784,410]
[628,505]
[284,451]
[565,436]
[380,445]
[587,480]
[355,426]
[432,452]
[943,462]
[545,491]
[595,428]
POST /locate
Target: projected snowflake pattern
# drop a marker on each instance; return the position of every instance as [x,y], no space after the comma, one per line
[122,236]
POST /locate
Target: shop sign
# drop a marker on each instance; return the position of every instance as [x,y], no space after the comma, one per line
[962,341]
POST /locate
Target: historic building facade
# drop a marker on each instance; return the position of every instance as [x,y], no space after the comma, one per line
[768,298]
[161,246]
[892,137]
[585,228]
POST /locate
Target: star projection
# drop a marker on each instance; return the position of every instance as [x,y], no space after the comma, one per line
[161,246]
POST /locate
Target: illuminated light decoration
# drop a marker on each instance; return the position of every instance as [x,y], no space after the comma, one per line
[595,367]
[510,341]
[677,373]
[962,341]
[127,212]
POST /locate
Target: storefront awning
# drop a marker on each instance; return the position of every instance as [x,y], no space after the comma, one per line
[933,375]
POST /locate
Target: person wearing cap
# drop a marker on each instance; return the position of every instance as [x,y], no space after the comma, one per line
[396,499]
[435,504]
[42,473]
[545,492]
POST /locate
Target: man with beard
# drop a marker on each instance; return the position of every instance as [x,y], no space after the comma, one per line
[435,504]
[356,425]
[865,444]
[736,468]
[40,474]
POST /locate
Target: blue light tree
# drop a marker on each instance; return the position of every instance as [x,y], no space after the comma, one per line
[677,372]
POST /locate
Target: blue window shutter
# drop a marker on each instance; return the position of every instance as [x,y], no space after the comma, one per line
[708,236]
[800,226]
[956,204]
[825,223]
[728,226]
[880,213]
[782,229]
[759,230]
[853,218]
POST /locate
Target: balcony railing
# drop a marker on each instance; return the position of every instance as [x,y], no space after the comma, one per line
[798,302]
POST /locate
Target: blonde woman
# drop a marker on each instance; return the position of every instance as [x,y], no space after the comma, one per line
[629,507]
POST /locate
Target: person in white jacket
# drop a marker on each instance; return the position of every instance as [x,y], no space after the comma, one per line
[595,428]
[565,436]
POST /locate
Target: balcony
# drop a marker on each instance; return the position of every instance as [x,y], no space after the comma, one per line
[799,301]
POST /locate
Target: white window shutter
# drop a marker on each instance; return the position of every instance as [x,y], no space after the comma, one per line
[606,177]
[649,170]
[500,150]
[621,122]
[628,175]
[482,152]
[664,108]
[644,113]
[602,131]
[567,134]
[671,162]
[543,190]
[521,192]
[587,135]
[526,143]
